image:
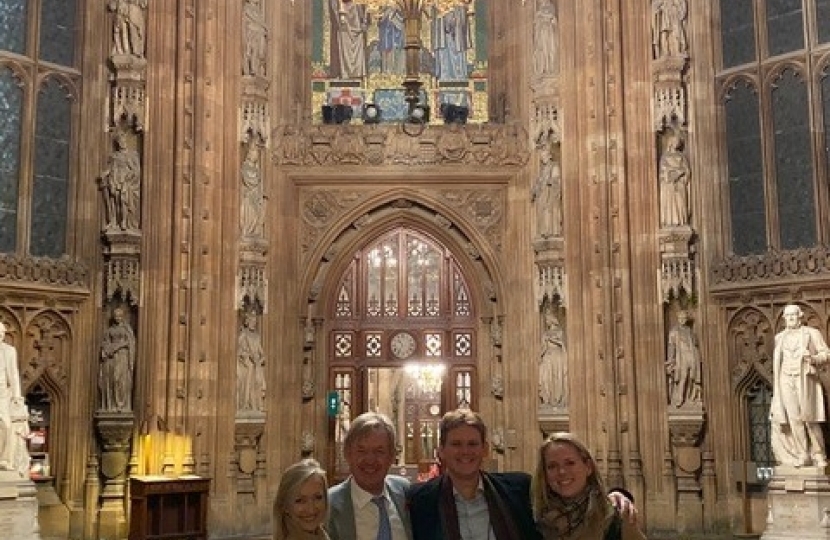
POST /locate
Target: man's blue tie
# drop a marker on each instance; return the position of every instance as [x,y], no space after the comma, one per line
[384,527]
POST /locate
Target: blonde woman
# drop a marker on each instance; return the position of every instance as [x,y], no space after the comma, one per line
[301,506]
[569,498]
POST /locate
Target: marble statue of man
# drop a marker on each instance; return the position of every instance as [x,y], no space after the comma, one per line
[11,400]
[797,407]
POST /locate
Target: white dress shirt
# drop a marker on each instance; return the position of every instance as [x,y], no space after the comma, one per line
[366,515]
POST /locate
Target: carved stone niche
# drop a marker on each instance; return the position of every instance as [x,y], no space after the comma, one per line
[247,433]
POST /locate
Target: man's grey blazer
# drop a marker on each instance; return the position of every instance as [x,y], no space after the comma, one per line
[341,510]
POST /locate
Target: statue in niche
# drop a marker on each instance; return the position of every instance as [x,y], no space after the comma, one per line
[14,426]
[115,377]
[668,31]
[129,27]
[250,366]
[674,173]
[252,211]
[683,364]
[255,36]
[546,39]
[349,21]
[553,363]
[797,407]
[547,195]
[121,183]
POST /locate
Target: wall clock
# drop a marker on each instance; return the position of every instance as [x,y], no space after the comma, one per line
[403,345]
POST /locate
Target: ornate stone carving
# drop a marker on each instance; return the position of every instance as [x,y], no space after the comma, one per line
[250,367]
[121,185]
[750,343]
[772,265]
[545,39]
[453,144]
[129,27]
[254,121]
[252,285]
[117,365]
[128,103]
[669,28]
[550,282]
[484,208]
[122,276]
[254,40]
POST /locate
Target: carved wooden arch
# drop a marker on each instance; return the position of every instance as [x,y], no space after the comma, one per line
[18,72]
[475,255]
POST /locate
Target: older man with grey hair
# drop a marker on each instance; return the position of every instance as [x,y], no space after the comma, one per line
[797,407]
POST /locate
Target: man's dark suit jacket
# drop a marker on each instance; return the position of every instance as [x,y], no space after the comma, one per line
[428,518]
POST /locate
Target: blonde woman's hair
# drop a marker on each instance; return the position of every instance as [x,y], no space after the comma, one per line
[543,496]
[292,478]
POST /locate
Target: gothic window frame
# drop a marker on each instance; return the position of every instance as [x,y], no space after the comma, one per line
[35,77]
[762,72]
[360,338]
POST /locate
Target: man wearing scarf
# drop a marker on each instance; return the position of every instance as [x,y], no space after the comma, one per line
[470,503]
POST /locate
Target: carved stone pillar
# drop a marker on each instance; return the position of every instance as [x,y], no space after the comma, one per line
[685,427]
[115,431]
[246,444]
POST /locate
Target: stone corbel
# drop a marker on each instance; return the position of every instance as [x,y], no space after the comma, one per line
[247,434]
[685,429]
[122,274]
[670,100]
[115,431]
[677,267]
[550,282]
[253,286]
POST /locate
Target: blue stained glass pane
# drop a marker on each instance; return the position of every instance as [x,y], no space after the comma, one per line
[11,107]
[793,162]
[737,32]
[746,177]
[57,32]
[51,182]
[13,26]
[785,27]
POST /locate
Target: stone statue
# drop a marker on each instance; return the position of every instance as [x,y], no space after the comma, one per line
[547,196]
[129,26]
[252,212]
[250,366]
[553,364]
[350,21]
[121,183]
[797,407]
[12,443]
[668,32]
[255,36]
[546,39]
[115,377]
[674,172]
[683,364]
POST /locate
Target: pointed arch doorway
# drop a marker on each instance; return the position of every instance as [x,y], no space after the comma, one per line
[402,341]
